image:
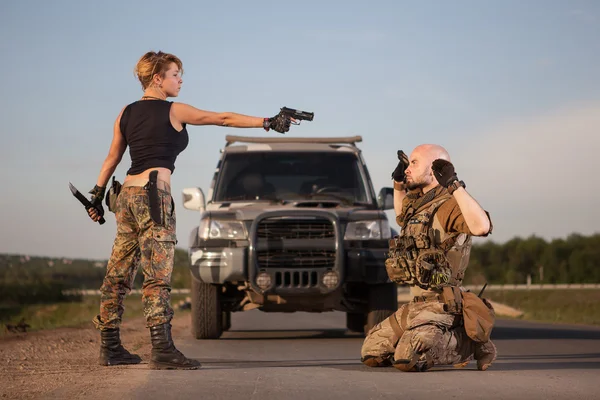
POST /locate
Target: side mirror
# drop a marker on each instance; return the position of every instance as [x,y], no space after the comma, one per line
[385,198]
[193,199]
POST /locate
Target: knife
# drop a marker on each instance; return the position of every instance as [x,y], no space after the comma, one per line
[83,200]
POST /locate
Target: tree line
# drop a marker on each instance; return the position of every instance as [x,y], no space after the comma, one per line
[574,259]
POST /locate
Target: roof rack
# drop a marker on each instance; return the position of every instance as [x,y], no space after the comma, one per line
[330,140]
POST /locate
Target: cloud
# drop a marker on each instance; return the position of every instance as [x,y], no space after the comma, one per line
[537,175]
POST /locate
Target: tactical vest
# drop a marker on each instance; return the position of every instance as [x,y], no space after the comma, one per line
[424,254]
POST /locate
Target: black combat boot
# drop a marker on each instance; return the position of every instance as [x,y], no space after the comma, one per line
[485,354]
[112,351]
[164,353]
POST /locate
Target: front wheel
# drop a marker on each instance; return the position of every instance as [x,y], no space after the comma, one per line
[207,318]
[383,302]
[356,321]
[226,320]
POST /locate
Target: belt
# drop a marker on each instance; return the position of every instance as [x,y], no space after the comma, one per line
[421,299]
[162,185]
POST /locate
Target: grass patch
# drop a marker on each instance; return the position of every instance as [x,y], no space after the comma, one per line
[562,306]
[69,314]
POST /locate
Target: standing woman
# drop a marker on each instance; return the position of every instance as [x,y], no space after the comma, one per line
[155,131]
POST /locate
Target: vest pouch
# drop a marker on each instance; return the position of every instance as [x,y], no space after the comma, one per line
[422,241]
[478,316]
[432,269]
[397,269]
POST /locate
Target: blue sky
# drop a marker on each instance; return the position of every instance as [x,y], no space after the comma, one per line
[510,88]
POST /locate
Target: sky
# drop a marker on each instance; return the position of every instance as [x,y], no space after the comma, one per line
[511,89]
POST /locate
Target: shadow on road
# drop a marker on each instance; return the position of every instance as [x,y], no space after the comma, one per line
[292,334]
[508,333]
[246,364]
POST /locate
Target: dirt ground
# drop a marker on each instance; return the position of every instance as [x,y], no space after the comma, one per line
[33,365]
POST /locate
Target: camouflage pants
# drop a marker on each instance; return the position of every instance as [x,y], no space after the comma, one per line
[428,326]
[139,242]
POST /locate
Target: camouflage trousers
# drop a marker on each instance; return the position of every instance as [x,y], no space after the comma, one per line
[139,242]
[428,327]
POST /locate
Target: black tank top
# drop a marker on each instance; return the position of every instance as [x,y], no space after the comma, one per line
[152,140]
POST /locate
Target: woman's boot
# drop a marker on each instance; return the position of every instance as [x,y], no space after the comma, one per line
[164,353]
[112,351]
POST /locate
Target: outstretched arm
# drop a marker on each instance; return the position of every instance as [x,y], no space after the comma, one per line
[187,114]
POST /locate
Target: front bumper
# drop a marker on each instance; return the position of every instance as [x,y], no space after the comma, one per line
[226,264]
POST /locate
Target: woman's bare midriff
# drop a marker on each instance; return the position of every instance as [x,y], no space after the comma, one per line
[164,174]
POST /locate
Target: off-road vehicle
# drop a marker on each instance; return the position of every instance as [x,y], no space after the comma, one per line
[290,224]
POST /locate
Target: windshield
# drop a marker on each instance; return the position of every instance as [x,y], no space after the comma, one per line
[291,176]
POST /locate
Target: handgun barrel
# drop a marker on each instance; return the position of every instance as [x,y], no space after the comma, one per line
[297,114]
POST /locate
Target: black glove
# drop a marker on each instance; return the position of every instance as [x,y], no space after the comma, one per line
[444,172]
[280,123]
[97,195]
[398,175]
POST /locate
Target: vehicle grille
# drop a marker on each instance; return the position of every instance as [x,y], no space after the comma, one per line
[296,279]
[295,229]
[296,258]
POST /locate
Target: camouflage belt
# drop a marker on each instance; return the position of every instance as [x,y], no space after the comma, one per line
[422,299]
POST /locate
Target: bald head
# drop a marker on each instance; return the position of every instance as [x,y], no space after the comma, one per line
[430,152]
[418,174]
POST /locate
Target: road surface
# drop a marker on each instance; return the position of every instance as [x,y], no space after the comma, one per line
[311,356]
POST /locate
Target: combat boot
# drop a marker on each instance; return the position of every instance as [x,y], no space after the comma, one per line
[112,351]
[164,353]
[485,354]
[373,361]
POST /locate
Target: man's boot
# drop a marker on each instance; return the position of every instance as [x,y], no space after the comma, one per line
[376,361]
[485,354]
[164,353]
[112,351]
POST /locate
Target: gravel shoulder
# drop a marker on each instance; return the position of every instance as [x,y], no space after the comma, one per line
[63,363]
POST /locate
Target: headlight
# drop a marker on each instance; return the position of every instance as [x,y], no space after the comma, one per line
[219,229]
[366,230]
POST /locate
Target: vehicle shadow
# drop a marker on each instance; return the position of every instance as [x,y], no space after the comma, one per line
[291,334]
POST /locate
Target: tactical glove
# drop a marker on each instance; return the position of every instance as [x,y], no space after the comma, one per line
[280,123]
[398,175]
[97,195]
[444,172]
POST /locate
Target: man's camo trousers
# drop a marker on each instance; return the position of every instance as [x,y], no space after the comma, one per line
[427,324]
[139,242]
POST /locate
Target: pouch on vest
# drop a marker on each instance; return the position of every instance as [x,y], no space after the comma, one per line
[478,316]
[113,193]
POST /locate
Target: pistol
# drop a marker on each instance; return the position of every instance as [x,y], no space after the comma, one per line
[297,114]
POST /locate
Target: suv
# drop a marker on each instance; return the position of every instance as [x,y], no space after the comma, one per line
[291,224]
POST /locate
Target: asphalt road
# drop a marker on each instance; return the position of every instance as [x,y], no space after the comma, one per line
[311,356]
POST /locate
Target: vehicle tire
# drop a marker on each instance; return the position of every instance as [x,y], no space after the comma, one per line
[355,322]
[226,320]
[207,318]
[383,301]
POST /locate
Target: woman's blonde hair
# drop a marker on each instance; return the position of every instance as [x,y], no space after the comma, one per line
[153,63]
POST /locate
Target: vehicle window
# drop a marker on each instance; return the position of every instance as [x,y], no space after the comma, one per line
[290,175]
